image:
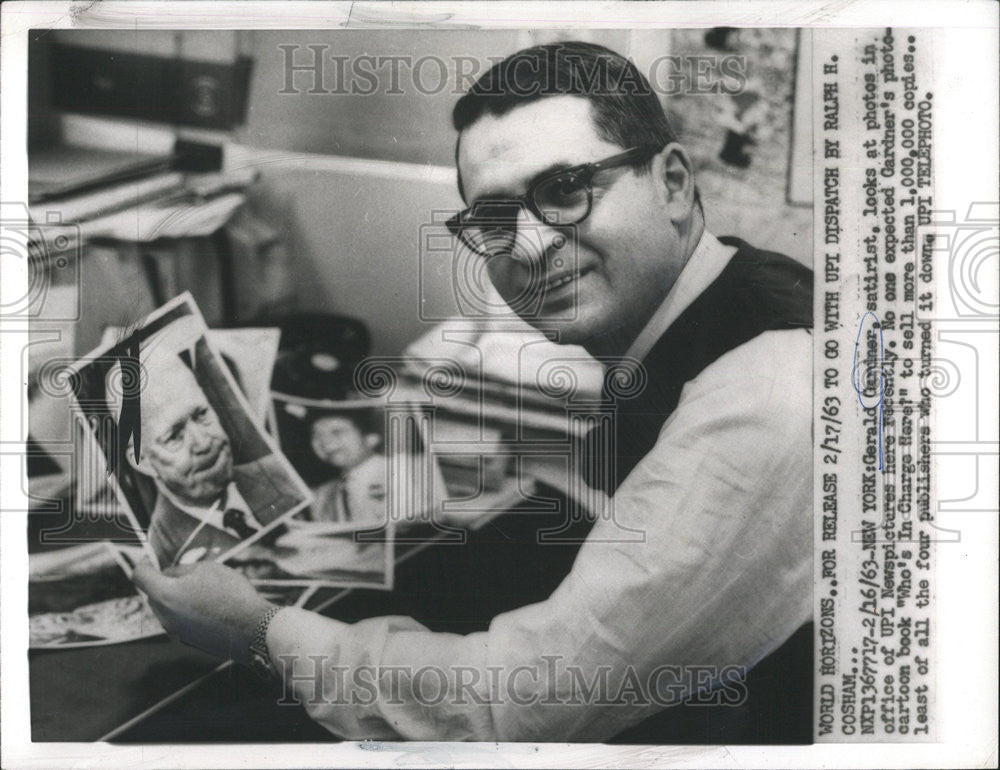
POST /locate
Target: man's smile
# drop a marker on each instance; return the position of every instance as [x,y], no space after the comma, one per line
[562,285]
[559,281]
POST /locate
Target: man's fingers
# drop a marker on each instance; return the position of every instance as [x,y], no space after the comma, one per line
[147,577]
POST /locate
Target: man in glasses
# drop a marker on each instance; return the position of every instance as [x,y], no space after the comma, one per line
[584,206]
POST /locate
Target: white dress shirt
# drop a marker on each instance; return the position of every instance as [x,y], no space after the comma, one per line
[723,578]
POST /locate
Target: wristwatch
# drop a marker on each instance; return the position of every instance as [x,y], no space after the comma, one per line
[260,658]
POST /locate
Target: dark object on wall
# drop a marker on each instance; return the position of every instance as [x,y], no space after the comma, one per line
[744,114]
[734,151]
[317,354]
[721,38]
[182,92]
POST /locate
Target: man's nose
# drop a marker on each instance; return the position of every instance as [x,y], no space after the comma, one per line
[535,241]
[200,438]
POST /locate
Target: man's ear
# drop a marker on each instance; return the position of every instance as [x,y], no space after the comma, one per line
[373,441]
[673,170]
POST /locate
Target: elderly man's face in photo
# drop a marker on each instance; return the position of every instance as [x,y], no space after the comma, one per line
[339,442]
[183,442]
[627,253]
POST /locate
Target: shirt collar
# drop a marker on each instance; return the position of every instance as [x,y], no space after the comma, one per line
[212,515]
[707,261]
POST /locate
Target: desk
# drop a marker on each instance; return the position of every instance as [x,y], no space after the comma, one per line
[81,695]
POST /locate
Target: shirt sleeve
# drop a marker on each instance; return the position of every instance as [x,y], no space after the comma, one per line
[720,577]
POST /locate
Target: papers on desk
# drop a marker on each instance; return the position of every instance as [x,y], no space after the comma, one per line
[512,354]
[98,202]
[83,596]
[142,209]
[67,169]
[512,374]
[184,217]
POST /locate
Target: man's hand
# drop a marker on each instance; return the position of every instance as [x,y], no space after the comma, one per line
[206,605]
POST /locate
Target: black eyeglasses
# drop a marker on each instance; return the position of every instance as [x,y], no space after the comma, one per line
[565,197]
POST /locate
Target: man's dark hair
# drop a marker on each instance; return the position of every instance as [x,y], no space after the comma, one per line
[624,107]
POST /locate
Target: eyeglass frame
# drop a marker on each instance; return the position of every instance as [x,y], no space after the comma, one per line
[585,171]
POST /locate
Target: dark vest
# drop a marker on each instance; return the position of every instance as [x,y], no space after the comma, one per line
[758,291]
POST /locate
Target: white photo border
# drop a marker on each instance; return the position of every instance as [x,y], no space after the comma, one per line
[968,617]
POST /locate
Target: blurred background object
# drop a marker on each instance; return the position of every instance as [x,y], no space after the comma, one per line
[317,354]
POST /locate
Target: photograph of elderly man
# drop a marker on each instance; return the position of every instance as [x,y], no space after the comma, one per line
[215,480]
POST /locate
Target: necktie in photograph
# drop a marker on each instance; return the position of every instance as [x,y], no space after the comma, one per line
[345,508]
[236,520]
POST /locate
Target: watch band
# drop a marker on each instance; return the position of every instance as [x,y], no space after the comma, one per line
[260,658]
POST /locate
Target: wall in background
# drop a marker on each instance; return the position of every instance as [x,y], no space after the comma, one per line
[355,230]
[407,117]
[749,202]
